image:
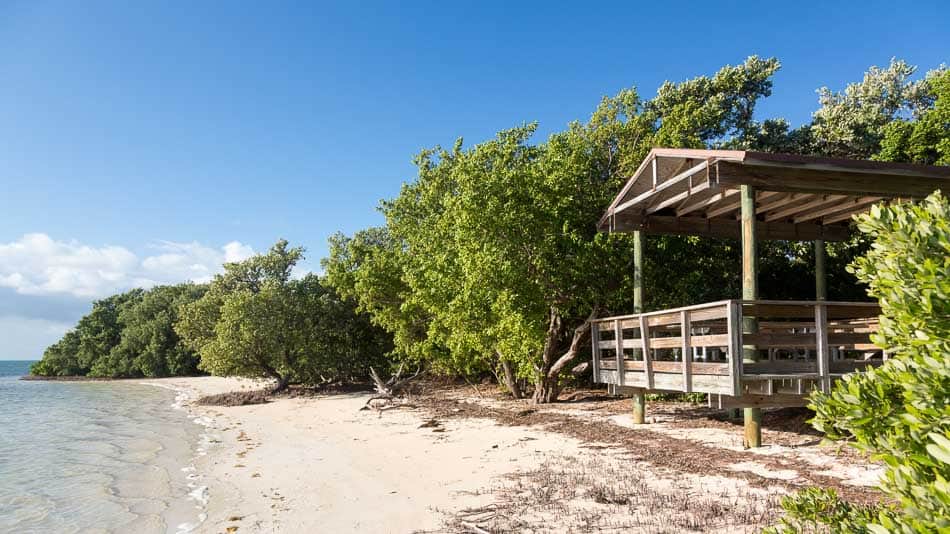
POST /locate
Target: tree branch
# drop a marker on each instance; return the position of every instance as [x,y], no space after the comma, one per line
[579,334]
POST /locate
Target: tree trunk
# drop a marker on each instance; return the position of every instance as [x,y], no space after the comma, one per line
[511,379]
[547,382]
[546,389]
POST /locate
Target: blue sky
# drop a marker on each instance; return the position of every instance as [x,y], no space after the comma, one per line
[145,142]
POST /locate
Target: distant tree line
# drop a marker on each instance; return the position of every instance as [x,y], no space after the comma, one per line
[254,320]
[126,335]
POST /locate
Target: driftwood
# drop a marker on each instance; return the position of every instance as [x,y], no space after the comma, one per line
[387,391]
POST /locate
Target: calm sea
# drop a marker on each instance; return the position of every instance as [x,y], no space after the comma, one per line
[94,457]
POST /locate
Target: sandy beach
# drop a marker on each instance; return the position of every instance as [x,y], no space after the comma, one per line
[320,464]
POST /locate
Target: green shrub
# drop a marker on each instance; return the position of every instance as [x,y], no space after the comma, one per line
[900,412]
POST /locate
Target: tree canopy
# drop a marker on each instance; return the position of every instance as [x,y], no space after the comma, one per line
[490,258]
[124,336]
[257,320]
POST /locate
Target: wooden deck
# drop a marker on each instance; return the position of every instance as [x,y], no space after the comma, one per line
[742,352]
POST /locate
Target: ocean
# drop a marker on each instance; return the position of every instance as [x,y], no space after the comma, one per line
[95,457]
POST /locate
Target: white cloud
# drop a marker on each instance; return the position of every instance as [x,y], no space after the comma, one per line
[36,264]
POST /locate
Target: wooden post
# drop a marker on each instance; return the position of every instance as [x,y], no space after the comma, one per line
[821,280]
[752,417]
[639,398]
[637,272]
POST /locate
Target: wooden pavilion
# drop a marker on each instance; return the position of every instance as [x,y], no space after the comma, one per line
[747,353]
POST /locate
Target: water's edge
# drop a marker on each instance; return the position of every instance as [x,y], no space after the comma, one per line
[113,457]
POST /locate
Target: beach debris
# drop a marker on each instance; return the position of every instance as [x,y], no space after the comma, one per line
[471,527]
[236,518]
[234,398]
[387,391]
[231,529]
[431,423]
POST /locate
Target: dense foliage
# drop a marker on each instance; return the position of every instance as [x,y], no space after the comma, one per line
[256,320]
[253,320]
[126,335]
[900,412]
[489,260]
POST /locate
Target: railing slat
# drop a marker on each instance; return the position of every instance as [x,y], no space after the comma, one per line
[821,341]
[734,322]
[687,353]
[595,351]
[618,344]
[647,357]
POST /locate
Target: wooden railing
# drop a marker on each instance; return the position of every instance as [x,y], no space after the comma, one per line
[798,345]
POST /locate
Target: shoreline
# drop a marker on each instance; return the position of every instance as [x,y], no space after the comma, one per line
[320,463]
[83,378]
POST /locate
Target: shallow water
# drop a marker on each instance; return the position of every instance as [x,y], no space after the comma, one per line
[93,457]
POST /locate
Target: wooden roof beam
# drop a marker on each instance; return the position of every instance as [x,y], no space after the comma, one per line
[679,197]
[782,199]
[729,228]
[802,179]
[724,208]
[849,213]
[700,204]
[666,184]
[850,203]
[762,196]
[817,201]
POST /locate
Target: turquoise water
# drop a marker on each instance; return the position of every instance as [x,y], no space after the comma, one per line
[94,457]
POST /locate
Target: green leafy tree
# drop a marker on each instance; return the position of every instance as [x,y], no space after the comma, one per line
[853,123]
[85,349]
[491,259]
[148,344]
[61,358]
[899,412]
[927,139]
[245,324]
[125,336]
[257,321]
[368,269]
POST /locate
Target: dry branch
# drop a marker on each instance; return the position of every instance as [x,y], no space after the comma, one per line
[388,390]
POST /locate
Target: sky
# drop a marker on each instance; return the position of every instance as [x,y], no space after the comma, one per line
[148,142]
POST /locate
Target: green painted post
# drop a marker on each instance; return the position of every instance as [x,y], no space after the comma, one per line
[821,280]
[752,417]
[638,272]
[639,397]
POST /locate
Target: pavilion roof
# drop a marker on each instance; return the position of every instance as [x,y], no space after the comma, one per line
[696,192]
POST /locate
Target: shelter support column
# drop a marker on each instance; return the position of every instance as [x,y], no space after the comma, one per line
[752,417]
[639,396]
[821,280]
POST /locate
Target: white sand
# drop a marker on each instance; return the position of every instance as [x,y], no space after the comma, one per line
[322,465]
